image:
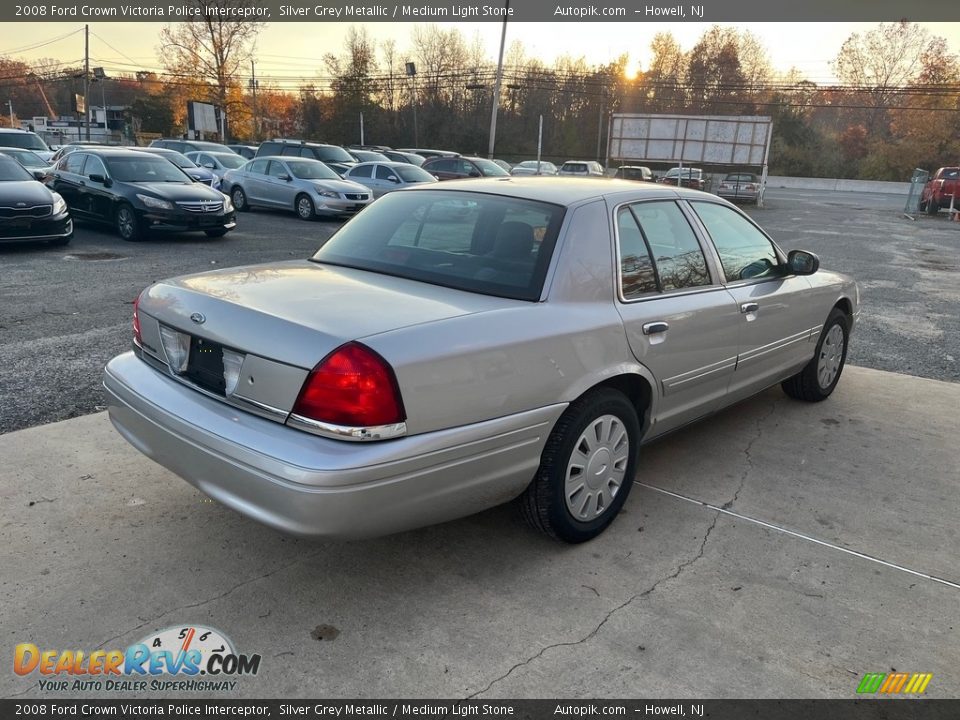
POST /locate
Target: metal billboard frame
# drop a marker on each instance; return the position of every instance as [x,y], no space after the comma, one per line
[684,139]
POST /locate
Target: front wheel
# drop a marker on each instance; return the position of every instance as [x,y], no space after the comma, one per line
[820,376]
[305,207]
[586,469]
[128,226]
[239,198]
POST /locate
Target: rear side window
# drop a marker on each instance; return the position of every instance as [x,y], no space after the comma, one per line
[678,259]
[489,244]
[637,276]
[745,252]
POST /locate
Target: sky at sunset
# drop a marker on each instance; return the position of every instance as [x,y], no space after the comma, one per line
[295,50]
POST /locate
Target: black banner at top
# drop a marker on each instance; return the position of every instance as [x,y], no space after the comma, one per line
[619,11]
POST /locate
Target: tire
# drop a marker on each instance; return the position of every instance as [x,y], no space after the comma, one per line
[128,226]
[305,208]
[933,207]
[239,198]
[547,505]
[820,376]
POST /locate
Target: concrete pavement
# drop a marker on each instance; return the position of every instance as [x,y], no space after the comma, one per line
[681,597]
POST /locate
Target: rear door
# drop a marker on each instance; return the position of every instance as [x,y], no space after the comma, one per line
[98,198]
[680,321]
[778,325]
[66,181]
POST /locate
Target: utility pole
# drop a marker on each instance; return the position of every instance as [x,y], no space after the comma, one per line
[10,105]
[256,112]
[496,85]
[86,78]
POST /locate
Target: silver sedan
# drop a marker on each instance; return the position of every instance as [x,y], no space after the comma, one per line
[461,345]
[308,187]
[384,177]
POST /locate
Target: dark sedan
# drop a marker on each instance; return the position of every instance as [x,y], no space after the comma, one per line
[137,192]
[458,168]
[29,211]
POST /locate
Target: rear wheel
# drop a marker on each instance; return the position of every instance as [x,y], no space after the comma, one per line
[305,208]
[933,207]
[586,469]
[128,226]
[820,376]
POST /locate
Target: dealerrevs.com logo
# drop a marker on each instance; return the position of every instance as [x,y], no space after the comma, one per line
[178,658]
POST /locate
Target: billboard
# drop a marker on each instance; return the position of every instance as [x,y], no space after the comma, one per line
[202,117]
[700,139]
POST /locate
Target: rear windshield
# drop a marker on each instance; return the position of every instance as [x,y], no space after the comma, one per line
[25,140]
[742,178]
[471,241]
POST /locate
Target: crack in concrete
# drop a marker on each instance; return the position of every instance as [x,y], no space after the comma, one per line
[209,600]
[20,694]
[650,590]
[746,453]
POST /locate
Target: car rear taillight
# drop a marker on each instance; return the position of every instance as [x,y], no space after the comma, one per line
[352,387]
[137,340]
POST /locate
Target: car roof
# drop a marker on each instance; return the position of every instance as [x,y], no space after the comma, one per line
[564,190]
[117,152]
[388,163]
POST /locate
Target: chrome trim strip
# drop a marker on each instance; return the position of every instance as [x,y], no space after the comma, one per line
[674,383]
[343,432]
[780,344]
[258,408]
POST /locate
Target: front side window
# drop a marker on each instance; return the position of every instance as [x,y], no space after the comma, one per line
[277,169]
[477,242]
[361,171]
[745,252]
[259,167]
[73,163]
[677,255]
[384,173]
[94,166]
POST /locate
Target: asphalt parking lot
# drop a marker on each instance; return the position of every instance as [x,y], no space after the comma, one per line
[776,550]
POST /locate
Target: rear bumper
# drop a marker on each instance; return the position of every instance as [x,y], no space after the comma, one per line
[316,487]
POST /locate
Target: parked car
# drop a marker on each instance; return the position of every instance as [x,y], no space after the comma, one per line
[362,156]
[25,140]
[589,168]
[217,163]
[185,146]
[138,193]
[943,187]
[35,165]
[306,186]
[740,186]
[29,210]
[534,167]
[458,345]
[404,157]
[247,152]
[194,171]
[333,156]
[504,164]
[428,153]
[634,172]
[459,167]
[73,146]
[384,177]
[684,177]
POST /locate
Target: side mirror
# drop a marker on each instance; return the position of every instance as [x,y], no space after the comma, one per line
[209,166]
[103,180]
[39,174]
[394,179]
[474,173]
[801,262]
[285,177]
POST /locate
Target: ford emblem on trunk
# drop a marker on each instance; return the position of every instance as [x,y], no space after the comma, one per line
[198,318]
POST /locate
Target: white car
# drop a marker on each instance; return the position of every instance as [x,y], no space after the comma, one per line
[384,177]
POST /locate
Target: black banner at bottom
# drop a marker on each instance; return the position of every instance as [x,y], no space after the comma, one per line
[885,709]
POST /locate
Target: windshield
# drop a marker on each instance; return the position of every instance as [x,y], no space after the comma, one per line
[477,242]
[490,168]
[413,174]
[311,170]
[229,160]
[26,140]
[26,158]
[331,153]
[145,169]
[10,169]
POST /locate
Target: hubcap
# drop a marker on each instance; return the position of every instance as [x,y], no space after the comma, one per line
[304,208]
[831,355]
[238,199]
[597,468]
[125,220]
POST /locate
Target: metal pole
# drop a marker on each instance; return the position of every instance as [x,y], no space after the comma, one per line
[103,101]
[496,85]
[10,105]
[539,143]
[413,102]
[603,102]
[256,112]
[86,77]
[361,128]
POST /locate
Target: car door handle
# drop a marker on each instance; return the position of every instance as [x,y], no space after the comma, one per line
[653,328]
[749,307]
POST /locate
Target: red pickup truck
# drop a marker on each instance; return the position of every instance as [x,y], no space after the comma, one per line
[940,189]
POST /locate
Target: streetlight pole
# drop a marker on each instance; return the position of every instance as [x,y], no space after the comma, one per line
[496,85]
[86,78]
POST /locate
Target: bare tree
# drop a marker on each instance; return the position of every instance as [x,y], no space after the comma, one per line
[213,48]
